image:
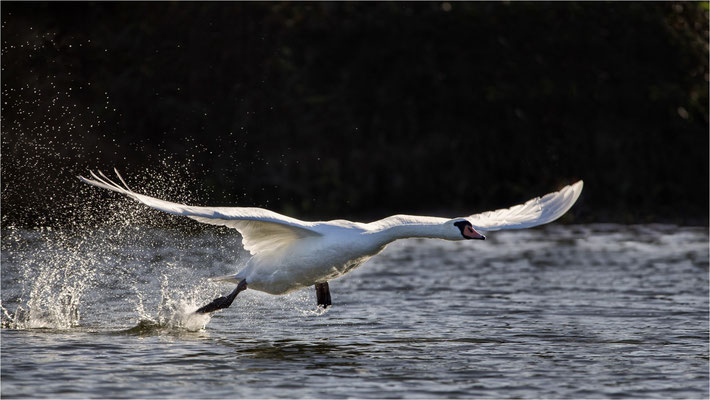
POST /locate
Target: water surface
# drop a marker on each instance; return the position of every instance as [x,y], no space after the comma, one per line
[596,311]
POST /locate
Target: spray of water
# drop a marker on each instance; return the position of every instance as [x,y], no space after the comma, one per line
[90,260]
[113,268]
[53,278]
[175,311]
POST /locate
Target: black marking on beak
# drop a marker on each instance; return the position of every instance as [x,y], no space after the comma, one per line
[462,225]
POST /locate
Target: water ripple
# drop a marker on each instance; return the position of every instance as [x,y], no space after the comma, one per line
[589,311]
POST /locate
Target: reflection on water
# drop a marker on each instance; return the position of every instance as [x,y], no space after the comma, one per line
[559,312]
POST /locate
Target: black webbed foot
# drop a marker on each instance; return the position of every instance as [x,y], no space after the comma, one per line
[223,301]
[323,294]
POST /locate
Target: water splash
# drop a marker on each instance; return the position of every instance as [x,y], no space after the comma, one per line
[54,280]
[181,319]
[106,281]
[175,311]
[79,276]
[69,276]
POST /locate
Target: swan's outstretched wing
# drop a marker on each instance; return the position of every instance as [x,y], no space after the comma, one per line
[262,230]
[537,211]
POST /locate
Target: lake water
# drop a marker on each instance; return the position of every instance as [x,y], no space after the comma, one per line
[593,311]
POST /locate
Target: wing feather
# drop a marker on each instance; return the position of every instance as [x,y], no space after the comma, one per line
[537,211]
[263,231]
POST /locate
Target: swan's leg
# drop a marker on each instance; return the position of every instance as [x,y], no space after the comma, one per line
[323,294]
[224,301]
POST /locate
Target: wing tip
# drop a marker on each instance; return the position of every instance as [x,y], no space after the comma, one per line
[550,207]
[102,181]
[568,197]
[577,186]
[576,190]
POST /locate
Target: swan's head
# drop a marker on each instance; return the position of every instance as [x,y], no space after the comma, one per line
[467,231]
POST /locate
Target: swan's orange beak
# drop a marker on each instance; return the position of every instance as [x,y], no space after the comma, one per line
[470,233]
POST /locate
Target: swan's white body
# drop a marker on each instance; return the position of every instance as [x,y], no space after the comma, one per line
[290,254]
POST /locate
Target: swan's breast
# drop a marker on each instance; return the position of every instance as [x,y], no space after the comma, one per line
[312,260]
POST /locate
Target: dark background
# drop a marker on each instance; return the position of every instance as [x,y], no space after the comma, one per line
[358,110]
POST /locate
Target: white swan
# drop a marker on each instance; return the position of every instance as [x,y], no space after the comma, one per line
[289,254]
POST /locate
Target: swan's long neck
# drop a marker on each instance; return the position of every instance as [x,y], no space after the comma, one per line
[400,228]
